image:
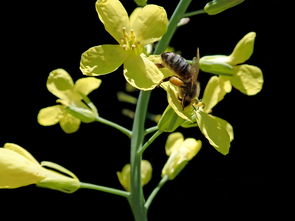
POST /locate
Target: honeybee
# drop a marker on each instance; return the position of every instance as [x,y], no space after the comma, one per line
[185,78]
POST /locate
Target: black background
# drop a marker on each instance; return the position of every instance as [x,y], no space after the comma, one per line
[38,37]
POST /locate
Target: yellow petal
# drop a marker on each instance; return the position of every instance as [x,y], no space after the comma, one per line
[191,147]
[146,172]
[188,113]
[141,73]
[17,170]
[247,78]
[86,85]
[60,83]
[69,124]
[50,115]
[173,142]
[214,92]
[243,49]
[180,157]
[18,149]
[114,17]
[149,23]
[102,59]
[124,177]
[215,130]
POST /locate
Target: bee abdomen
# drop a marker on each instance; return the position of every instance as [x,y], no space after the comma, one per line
[176,63]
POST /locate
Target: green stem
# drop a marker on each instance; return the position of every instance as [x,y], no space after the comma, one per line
[114,125]
[136,198]
[174,20]
[104,189]
[198,12]
[155,191]
[148,143]
[151,130]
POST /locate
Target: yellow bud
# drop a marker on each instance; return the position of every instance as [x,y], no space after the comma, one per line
[19,168]
[180,152]
[146,174]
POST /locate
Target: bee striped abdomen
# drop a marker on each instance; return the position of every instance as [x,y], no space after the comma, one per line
[176,63]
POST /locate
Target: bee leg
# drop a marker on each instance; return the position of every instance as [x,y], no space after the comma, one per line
[176,81]
[173,80]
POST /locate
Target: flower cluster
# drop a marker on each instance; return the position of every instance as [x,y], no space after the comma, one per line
[134,34]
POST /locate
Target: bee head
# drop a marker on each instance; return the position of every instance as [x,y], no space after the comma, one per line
[186,100]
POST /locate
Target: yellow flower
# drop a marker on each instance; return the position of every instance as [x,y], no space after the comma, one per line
[145,26]
[246,78]
[72,110]
[218,132]
[180,151]
[146,174]
[19,168]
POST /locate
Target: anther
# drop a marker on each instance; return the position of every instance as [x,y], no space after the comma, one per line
[133,46]
[124,46]
[124,30]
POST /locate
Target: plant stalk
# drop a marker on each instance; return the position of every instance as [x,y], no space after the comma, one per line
[136,198]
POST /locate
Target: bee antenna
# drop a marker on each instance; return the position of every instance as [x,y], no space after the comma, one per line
[198,54]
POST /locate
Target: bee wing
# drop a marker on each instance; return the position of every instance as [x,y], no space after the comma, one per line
[195,66]
[198,89]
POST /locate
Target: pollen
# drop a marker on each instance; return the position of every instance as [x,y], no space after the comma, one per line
[129,42]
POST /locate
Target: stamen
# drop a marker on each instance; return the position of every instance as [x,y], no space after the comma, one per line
[124,46]
[125,34]
[132,35]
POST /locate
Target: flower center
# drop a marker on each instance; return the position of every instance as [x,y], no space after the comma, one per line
[129,42]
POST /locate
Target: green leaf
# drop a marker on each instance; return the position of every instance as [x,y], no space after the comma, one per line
[215,130]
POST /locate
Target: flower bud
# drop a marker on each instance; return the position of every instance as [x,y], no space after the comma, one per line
[180,151]
[146,174]
[58,181]
[216,64]
[140,2]
[84,114]
[216,6]
[19,168]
